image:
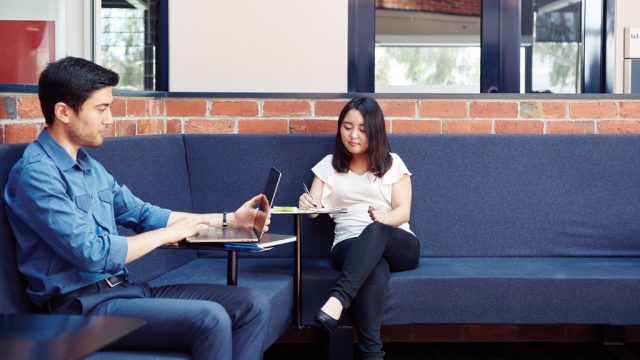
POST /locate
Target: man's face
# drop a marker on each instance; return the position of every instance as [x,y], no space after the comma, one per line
[88,126]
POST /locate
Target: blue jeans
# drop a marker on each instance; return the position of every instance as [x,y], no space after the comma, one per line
[209,320]
[365,263]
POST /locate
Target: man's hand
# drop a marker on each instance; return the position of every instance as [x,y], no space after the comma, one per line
[377,214]
[246,214]
[187,226]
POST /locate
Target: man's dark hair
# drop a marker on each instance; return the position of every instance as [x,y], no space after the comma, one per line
[71,80]
[379,152]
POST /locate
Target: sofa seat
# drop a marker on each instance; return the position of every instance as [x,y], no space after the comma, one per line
[499,290]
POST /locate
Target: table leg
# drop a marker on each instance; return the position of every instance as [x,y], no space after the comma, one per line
[297,289]
[232,268]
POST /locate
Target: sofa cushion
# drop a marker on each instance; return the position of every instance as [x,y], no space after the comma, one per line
[509,290]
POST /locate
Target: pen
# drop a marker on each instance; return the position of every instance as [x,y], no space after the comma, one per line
[308,193]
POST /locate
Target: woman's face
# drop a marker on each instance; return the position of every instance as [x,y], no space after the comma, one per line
[352,133]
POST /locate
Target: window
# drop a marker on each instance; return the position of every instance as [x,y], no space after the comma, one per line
[128,41]
[427,46]
[551,41]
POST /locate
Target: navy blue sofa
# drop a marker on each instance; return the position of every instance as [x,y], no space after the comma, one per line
[513,229]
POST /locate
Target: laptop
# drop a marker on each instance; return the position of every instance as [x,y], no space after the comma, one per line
[244,234]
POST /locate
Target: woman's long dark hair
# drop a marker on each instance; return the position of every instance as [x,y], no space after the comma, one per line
[379,152]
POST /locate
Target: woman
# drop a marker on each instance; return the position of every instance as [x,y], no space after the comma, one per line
[373,237]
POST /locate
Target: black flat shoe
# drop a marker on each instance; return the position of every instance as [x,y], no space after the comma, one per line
[325,321]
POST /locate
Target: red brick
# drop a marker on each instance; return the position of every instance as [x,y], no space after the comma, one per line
[630,109]
[539,333]
[556,110]
[467,127]
[404,108]
[8,108]
[186,107]
[111,131]
[519,127]
[19,133]
[145,108]
[150,127]
[633,333]
[29,108]
[174,126]
[490,332]
[618,127]
[286,108]
[313,126]
[1,134]
[422,333]
[234,108]
[593,110]
[387,126]
[262,126]
[119,107]
[443,109]
[493,109]
[570,127]
[202,126]
[583,333]
[416,126]
[125,127]
[329,107]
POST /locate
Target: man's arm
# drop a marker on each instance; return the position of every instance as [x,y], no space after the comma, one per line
[139,245]
[243,216]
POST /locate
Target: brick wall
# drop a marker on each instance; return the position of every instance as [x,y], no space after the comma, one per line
[21,118]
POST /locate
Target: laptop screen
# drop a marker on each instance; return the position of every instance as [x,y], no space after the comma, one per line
[273,180]
[271,186]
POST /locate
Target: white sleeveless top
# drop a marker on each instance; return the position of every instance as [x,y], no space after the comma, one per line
[356,192]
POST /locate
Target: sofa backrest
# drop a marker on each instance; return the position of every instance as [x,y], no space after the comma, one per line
[226,170]
[508,195]
[517,195]
[155,170]
[13,298]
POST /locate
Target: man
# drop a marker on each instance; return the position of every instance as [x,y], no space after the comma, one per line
[63,207]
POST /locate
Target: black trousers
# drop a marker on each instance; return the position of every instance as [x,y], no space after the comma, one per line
[365,263]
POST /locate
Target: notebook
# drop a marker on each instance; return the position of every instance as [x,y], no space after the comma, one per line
[244,234]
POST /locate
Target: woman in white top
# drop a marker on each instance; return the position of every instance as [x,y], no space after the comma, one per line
[373,237]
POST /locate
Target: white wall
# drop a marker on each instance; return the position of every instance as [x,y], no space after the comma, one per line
[627,15]
[258,46]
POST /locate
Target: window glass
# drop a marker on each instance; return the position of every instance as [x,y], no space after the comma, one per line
[128,41]
[551,39]
[427,46]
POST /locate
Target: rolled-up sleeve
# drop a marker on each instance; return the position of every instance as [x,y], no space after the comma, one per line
[134,213]
[43,204]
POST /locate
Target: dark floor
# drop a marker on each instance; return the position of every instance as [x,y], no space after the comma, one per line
[468,351]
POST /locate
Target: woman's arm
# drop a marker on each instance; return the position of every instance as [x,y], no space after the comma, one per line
[400,204]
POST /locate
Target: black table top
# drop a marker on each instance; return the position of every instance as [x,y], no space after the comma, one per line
[43,336]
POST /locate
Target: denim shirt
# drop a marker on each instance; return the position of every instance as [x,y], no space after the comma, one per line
[64,214]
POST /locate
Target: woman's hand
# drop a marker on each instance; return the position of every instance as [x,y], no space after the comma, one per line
[306,202]
[377,214]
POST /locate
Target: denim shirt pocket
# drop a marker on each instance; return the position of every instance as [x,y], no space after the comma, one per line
[83,202]
[104,212]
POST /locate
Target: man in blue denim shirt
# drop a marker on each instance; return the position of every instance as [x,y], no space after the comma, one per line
[63,207]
